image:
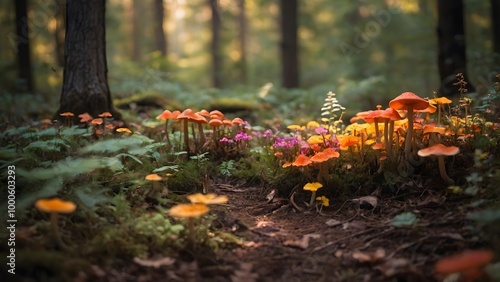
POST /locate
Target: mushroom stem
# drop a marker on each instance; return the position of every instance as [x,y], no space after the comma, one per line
[202,135]
[190,238]
[313,197]
[186,136]
[390,139]
[442,171]
[166,133]
[55,231]
[409,132]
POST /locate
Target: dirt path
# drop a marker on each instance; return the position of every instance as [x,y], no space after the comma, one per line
[282,244]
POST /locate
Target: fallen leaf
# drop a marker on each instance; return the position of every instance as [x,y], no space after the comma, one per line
[155,263]
[332,222]
[370,257]
[270,196]
[302,243]
[398,266]
[370,201]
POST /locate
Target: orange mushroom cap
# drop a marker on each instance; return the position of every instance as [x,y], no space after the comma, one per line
[67,114]
[189,115]
[153,177]
[440,101]
[391,114]
[85,117]
[204,113]
[408,98]
[467,260]
[302,160]
[237,120]
[105,114]
[217,113]
[189,210]
[55,205]
[97,121]
[320,157]
[215,122]
[331,153]
[372,115]
[208,199]
[439,150]
[168,115]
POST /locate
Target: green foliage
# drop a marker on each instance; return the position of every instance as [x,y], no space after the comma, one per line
[226,167]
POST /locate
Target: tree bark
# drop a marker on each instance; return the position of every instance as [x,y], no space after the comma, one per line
[161,41]
[137,13]
[25,74]
[85,83]
[60,17]
[215,45]
[289,43]
[495,25]
[451,46]
[243,41]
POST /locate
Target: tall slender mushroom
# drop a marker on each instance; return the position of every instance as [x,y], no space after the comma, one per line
[55,206]
[441,151]
[167,115]
[408,101]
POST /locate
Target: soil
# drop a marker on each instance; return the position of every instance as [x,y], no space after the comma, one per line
[348,241]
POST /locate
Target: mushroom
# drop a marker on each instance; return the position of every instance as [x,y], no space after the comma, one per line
[469,263]
[55,206]
[392,115]
[155,178]
[441,151]
[189,211]
[441,101]
[188,115]
[408,101]
[68,117]
[167,115]
[85,117]
[313,187]
[208,199]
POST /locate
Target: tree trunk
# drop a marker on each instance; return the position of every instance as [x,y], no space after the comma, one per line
[289,43]
[495,25]
[25,74]
[215,45]
[161,41]
[85,84]
[243,41]
[137,13]
[451,43]
[60,17]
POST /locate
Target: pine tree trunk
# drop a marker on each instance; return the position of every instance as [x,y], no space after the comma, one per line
[85,85]
[161,41]
[289,43]
[215,45]
[495,25]
[137,13]
[243,41]
[25,74]
[451,43]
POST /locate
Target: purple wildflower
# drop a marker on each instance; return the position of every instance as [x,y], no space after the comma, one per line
[321,130]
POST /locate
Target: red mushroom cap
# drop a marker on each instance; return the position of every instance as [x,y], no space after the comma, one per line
[439,150]
[408,98]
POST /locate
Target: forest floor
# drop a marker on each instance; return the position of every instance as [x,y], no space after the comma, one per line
[347,241]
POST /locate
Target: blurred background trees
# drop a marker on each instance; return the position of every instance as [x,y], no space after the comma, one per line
[366,51]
